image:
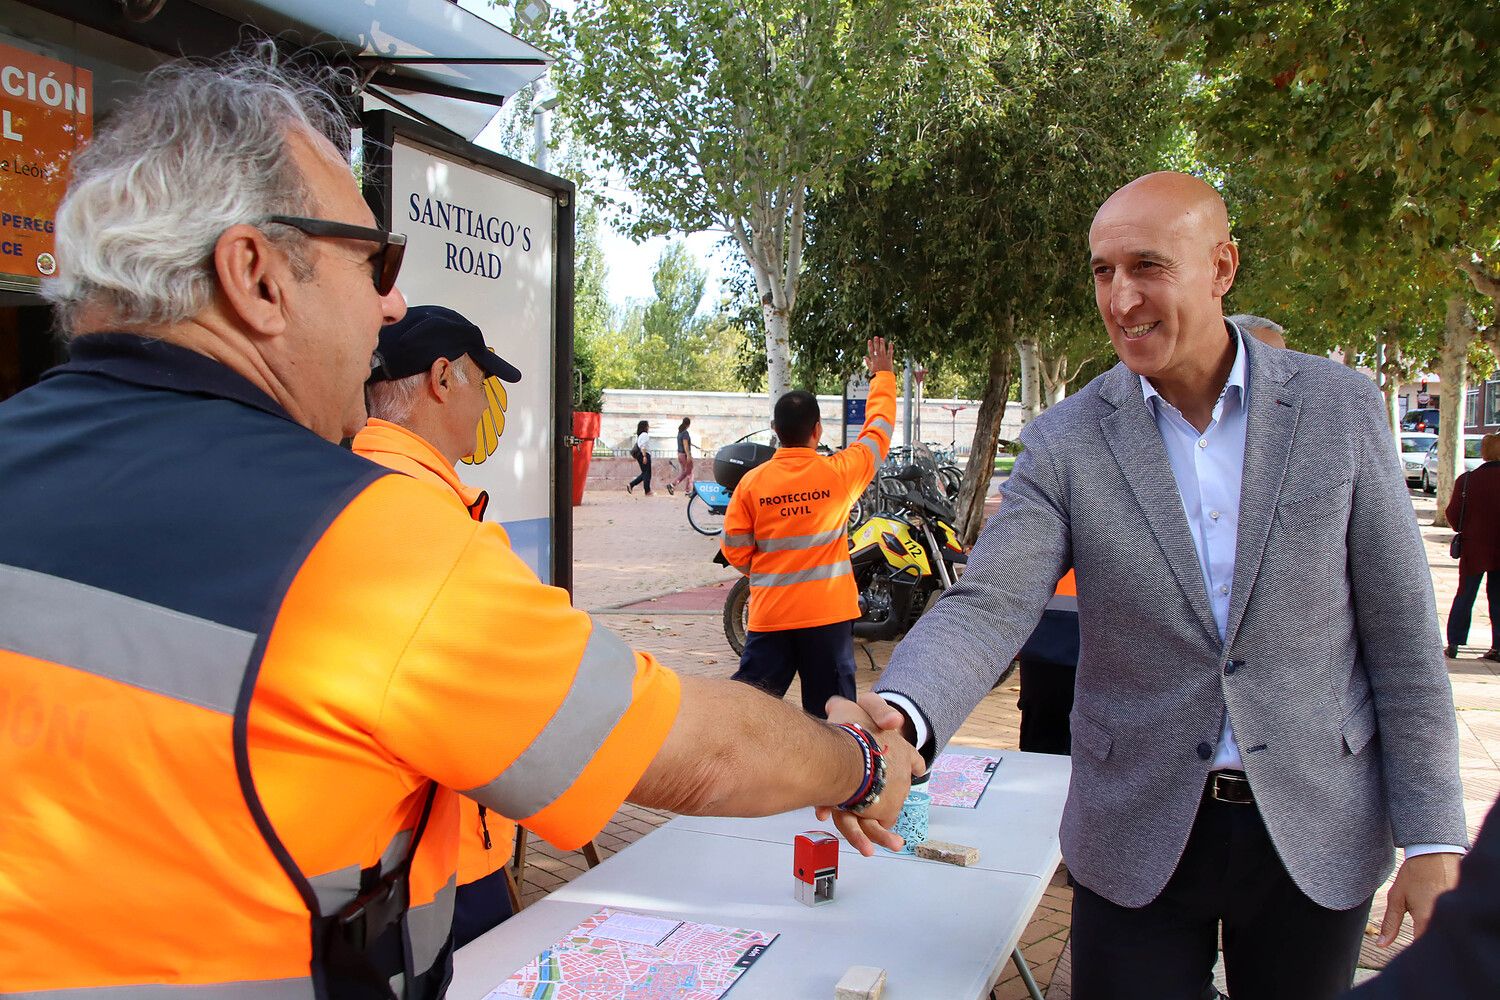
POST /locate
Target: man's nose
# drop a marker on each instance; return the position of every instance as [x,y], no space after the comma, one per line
[393,306]
[1123,296]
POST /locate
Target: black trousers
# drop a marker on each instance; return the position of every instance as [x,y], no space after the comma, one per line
[1462,612]
[822,656]
[645,477]
[1278,944]
[479,906]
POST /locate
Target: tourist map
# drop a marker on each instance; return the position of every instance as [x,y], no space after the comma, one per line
[959,780]
[617,955]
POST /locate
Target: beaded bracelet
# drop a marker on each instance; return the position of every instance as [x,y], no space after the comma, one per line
[868,793]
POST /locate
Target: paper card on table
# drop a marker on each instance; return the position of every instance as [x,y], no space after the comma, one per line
[611,955]
[959,780]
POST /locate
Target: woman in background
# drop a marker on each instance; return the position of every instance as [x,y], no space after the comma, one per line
[684,457]
[641,452]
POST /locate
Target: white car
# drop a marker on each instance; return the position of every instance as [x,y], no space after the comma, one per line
[1472,461]
[1414,454]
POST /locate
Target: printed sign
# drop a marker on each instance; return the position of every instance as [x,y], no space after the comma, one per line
[482,243]
[46,112]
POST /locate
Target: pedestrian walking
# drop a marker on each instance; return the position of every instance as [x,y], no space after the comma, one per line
[641,452]
[1474,512]
[684,457]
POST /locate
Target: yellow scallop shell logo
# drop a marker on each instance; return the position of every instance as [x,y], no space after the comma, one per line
[491,424]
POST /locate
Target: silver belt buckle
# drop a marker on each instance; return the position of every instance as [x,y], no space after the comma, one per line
[1222,782]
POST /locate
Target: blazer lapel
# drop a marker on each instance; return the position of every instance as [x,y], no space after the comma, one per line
[1271,424]
[1136,442]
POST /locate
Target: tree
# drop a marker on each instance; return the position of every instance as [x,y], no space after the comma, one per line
[726,115]
[1367,123]
[983,237]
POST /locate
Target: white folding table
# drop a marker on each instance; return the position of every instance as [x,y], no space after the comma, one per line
[939,931]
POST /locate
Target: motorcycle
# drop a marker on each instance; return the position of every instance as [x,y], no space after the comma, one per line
[903,555]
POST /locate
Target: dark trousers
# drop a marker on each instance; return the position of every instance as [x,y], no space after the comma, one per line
[822,656]
[478,907]
[645,477]
[1462,612]
[1278,944]
[1046,702]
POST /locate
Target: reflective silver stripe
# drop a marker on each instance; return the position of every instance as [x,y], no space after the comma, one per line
[122,639]
[429,926]
[797,542]
[1063,602]
[739,541]
[874,448]
[884,425]
[828,572]
[600,694]
[335,890]
[268,989]
[395,851]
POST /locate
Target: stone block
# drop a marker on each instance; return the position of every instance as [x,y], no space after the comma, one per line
[949,854]
[860,982]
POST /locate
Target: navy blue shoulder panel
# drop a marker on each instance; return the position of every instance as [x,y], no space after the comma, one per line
[200,504]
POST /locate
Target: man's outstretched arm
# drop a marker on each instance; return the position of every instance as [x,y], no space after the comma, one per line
[736,751]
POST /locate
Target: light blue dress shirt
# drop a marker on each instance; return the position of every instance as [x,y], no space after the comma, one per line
[1208,467]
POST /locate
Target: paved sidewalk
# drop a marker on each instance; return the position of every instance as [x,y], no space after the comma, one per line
[629,549]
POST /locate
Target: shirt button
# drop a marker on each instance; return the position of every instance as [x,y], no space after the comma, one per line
[1223,588]
[1214,514]
[1205,751]
[1203,442]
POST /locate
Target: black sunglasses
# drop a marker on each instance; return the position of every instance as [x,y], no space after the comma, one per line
[387,259]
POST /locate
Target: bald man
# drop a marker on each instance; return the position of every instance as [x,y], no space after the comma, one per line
[1261,708]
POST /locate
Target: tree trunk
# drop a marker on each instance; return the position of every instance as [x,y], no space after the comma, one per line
[778,352]
[1029,348]
[1390,382]
[1458,333]
[976,481]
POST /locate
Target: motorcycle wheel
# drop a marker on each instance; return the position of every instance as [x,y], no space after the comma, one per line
[737,614]
[702,517]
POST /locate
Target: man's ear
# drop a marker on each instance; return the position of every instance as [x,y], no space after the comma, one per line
[253,277]
[1226,266]
[440,379]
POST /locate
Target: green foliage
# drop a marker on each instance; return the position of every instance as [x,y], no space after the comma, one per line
[1361,141]
[991,223]
[593,316]
[663,343]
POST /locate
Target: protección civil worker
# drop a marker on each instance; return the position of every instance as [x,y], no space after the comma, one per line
[787,529]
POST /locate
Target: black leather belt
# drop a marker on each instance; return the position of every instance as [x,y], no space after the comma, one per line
[1229,786]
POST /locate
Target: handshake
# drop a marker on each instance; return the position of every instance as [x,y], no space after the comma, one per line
[866,819]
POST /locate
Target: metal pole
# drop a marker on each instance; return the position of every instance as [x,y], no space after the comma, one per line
[906,393]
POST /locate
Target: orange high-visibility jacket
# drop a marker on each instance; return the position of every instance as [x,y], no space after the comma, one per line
[787,525]
[485,838]
[235,679]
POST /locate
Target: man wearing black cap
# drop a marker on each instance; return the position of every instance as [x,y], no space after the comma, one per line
[436,397]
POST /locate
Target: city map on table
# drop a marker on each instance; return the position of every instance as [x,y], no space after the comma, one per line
[959,780]
[615,955]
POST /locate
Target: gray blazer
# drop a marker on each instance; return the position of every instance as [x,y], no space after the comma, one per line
[1332,670]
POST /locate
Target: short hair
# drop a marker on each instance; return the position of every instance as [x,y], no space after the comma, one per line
[1489,448]
[202,147]
[395,400]
[795,416]
[1257,326]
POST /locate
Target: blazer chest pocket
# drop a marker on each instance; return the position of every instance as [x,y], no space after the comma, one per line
[1359,726]
[1090,736]
[1313,506]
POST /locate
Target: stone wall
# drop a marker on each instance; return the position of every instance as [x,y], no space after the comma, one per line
[722,417]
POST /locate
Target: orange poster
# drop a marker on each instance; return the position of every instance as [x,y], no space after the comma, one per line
[46,112]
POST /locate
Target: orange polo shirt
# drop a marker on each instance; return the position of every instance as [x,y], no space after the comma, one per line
[395,447]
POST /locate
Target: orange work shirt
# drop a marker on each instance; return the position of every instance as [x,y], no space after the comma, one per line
[787,526]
